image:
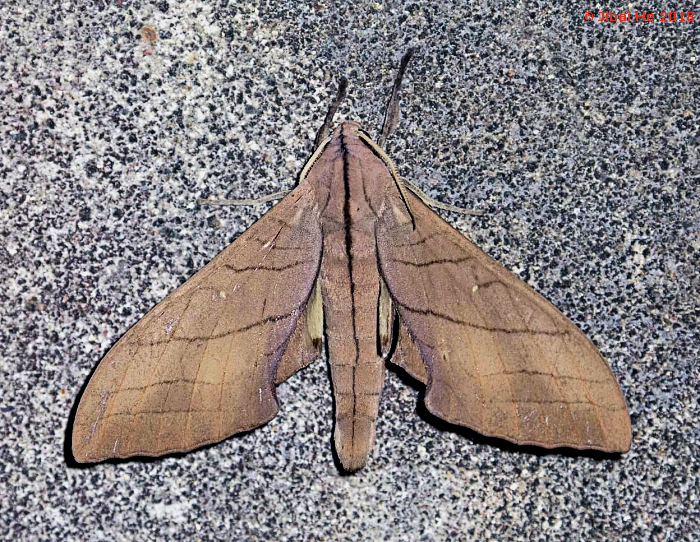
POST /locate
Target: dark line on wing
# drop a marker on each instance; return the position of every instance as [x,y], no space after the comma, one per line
[430,312]
[275,318]
[264,242]
[348,250]
[263,267]
[434,262]
[517,402]
[424,240]
[231,410]
[542,373]
[552,402]
[163,383]
[283,223]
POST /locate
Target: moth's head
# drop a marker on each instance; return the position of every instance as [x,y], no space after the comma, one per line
[348,127]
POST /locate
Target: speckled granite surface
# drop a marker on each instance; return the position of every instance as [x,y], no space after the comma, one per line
[579,139]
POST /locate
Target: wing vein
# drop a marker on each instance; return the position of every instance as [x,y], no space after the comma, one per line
[587,389]
[544,357]
[455,286]
[161,356]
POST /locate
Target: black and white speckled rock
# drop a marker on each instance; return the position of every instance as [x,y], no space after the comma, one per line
[579,139]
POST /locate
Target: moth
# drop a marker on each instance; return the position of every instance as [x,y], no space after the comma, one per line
[353,254]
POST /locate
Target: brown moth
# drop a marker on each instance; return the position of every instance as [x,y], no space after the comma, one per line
[352,253]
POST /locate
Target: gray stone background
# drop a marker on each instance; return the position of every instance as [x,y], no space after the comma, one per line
[579,140]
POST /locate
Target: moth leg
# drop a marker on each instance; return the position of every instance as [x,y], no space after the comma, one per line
[253,201]
[392,115]
[323,131]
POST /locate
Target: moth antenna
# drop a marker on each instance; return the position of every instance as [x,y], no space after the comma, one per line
[342,93]
[392,114]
